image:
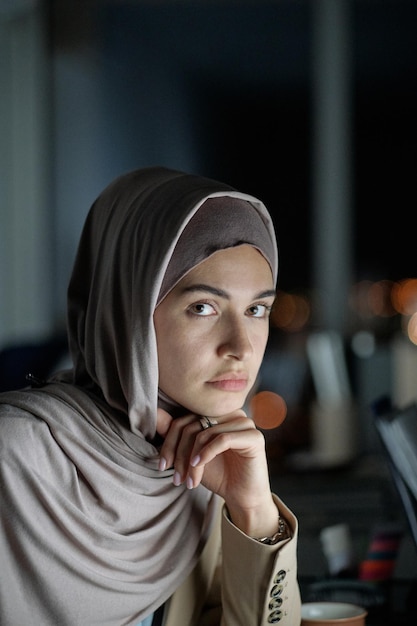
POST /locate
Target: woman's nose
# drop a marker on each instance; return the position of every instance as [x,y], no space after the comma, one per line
[236,341]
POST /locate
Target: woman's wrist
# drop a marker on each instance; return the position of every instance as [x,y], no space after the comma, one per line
[283,533]
[259,522]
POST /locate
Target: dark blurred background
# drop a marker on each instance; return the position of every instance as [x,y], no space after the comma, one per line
[310,105]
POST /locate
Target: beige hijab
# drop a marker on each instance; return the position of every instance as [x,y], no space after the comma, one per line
[93,532]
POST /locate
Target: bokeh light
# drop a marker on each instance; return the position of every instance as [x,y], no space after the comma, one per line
[412,328]
[291,312]
[363,344]
[268,409]
[404,296]
[370,299]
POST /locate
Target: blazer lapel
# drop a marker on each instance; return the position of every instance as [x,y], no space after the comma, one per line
[184,606]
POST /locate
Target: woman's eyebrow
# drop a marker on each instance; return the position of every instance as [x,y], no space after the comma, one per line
[223,294]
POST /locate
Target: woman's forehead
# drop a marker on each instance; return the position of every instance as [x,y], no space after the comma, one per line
[241,264]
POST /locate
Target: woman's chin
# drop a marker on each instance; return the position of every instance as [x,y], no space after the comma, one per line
[219,409]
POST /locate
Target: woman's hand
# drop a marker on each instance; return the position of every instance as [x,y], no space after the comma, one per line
[229,459]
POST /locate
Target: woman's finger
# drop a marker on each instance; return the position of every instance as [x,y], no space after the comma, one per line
[198,434]
[173,436]
[245,442]
[212,442]
[186,438]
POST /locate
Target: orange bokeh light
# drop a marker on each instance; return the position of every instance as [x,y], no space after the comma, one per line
[291,312]
[268,409]
[404,296]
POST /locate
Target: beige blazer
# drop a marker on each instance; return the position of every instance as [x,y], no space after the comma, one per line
[240,582]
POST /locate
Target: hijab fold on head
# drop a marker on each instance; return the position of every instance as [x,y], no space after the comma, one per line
[222,222]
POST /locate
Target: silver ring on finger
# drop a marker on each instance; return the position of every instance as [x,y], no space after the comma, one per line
[206,422]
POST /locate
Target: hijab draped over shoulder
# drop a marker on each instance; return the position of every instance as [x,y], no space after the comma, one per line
[93,532]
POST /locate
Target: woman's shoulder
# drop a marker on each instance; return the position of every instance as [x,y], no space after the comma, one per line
[20,430]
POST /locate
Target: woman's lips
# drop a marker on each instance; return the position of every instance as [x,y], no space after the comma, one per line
[230,383]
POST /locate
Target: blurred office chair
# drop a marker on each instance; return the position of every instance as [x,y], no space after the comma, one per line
[397,429]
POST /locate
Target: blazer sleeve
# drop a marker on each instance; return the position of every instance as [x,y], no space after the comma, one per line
[259,582]
[239,581]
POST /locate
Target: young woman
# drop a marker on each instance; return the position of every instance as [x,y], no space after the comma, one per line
[134,488]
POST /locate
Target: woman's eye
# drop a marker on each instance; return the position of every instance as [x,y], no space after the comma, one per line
[202,308]
[259,310]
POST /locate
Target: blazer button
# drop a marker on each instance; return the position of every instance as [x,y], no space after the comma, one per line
[275,617]
[274,604]
[280,576]
[276,591]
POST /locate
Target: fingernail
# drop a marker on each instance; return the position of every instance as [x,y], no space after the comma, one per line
[195,460]
[176,479]
[190,484]
[162,465]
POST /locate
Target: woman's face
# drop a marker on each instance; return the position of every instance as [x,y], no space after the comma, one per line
[212,329]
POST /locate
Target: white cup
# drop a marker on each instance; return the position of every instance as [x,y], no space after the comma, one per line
[332,614]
